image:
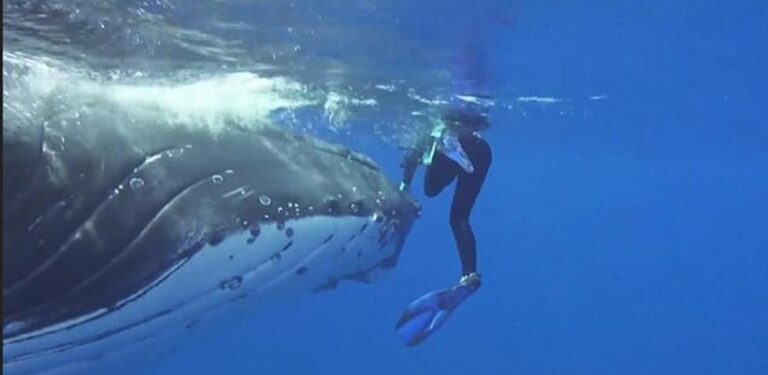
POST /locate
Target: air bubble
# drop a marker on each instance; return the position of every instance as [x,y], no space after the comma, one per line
[217,179]
[265,200]
[136,183]
[175,152]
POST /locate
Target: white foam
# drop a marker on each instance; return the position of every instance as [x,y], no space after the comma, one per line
[208,101]
[337,107]
[388,88]
[418,98]
[476,100]
[243,97]
[538,99]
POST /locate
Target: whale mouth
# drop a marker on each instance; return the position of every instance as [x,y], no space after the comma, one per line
[309,253]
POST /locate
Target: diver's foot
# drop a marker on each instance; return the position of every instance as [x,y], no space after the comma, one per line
[472,279]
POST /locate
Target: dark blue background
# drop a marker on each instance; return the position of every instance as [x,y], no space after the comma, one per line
[619,236]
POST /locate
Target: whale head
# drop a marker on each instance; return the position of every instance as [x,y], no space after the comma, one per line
[114,236]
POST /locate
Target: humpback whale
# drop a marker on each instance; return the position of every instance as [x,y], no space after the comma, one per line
[117,234]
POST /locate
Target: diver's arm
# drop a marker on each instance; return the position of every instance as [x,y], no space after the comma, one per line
[421,153]
[410,163]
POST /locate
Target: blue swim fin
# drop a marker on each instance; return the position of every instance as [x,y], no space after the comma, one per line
[426,314]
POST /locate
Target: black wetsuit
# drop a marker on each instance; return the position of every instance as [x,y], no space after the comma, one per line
[441,172]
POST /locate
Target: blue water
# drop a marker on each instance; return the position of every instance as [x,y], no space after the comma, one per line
[624,236]
[622,226]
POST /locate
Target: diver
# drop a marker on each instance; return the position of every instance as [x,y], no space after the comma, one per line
[455,150]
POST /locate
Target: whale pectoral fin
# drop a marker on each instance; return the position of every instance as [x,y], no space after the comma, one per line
[427,314]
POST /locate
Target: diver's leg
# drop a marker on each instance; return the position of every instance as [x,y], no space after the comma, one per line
[464,198]
[440,173]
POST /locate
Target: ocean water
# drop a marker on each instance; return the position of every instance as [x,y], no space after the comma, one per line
[622,226]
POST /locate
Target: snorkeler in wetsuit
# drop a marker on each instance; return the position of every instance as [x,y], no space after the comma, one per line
[455,150]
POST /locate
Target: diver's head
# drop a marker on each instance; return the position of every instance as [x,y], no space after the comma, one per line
[465,120]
